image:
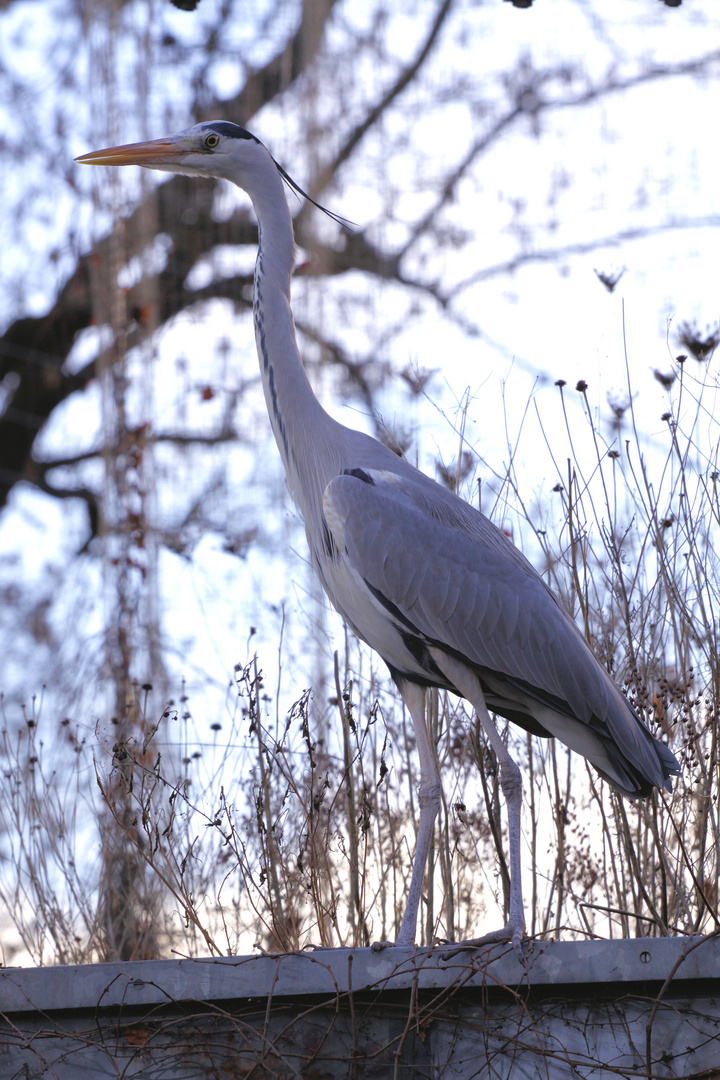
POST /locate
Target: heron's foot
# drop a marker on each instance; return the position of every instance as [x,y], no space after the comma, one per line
[403,942]
[512,933]
[378,946]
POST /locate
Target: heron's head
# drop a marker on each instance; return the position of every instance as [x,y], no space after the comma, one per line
[214,149]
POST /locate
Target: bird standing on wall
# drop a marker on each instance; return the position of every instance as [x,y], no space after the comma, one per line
[416,572]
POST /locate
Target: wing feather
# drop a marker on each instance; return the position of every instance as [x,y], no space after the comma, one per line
[458,587]
[447,572]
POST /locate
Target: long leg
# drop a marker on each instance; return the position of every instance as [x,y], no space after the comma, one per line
[429,799]
[468,685]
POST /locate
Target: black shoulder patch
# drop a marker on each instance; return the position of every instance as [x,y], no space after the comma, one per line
[230,131]
[360,474]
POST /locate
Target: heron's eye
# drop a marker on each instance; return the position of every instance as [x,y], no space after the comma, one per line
[211,141]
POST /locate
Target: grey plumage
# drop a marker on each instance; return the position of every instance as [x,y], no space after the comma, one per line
[445,576]
[419,574]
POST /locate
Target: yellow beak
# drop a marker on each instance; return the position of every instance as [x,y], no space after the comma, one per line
[157,152]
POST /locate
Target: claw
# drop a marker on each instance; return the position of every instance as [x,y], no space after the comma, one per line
[378,946]
[511,933]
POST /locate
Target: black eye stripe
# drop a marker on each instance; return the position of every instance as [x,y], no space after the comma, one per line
[230,131]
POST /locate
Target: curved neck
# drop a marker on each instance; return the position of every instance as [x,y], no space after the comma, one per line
[295,413]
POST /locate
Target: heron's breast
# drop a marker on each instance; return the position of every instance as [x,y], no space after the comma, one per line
[363,613]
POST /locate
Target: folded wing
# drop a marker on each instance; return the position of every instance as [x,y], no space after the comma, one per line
[449,578]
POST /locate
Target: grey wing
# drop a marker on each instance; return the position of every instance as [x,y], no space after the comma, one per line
[456,587]
[449,578]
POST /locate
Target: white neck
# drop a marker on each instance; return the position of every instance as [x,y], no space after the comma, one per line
[313,446]
[296,415]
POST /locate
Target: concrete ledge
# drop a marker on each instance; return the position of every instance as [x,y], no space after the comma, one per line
[590,1009]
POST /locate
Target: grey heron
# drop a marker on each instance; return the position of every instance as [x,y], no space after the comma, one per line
[416,572]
